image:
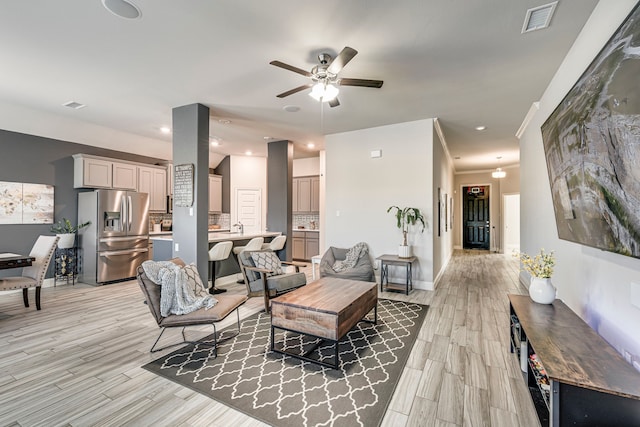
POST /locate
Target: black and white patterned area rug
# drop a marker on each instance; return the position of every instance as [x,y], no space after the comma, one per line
[285,391]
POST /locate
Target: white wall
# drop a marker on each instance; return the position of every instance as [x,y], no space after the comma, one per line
[595,284]
[443,179]
[361,188]
[248,172]
[306,167]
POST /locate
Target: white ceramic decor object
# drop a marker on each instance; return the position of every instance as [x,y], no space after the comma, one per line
[541,290]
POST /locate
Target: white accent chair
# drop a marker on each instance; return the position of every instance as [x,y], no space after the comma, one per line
[33,276]
[254,244]
[219,252]
[276,244]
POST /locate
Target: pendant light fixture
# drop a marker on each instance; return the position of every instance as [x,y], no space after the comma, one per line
[498,173]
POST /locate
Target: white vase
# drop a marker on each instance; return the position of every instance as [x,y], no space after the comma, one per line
[67,240]
[404,251]
[541,290]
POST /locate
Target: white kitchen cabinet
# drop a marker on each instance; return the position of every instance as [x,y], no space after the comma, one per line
[215,193]
[298,244]
[153,180]
[89,172]
[125,176]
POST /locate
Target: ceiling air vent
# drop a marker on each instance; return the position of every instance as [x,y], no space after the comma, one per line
[73,104]
[539,17]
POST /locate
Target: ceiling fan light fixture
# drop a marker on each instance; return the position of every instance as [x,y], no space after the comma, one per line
[323,92]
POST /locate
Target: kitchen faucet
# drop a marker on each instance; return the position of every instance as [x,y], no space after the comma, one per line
[240,227]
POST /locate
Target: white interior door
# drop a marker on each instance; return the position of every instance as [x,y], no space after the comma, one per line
[511,231]
[249,209]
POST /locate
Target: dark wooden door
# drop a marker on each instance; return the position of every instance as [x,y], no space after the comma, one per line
[476,217]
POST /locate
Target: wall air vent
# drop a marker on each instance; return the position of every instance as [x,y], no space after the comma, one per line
[73,104]
[539,17]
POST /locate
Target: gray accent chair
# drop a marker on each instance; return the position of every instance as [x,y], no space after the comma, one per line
[260,282]
[226,305]
[363,270]
[33,276]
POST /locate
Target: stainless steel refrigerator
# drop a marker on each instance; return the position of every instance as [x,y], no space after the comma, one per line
[117,240]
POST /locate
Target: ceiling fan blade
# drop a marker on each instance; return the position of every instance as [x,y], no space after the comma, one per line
[296,90]
[291,68]
[361,82]
[341,60]
[334,102]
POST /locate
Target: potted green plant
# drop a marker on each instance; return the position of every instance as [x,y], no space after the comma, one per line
[66,232]
[406,217]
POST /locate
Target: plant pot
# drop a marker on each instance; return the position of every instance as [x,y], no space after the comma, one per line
[541,290]
[404,251]
[67,240]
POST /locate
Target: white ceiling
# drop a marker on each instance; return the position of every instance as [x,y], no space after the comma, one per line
[462,61]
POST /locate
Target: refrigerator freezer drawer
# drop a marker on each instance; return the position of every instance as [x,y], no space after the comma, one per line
[120,264]
[120,243]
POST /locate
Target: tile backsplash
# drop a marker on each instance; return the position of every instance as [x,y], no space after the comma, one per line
[305,221]
[224,219]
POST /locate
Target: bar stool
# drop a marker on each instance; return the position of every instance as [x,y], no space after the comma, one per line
[219,252]
[275,245]
[254,244]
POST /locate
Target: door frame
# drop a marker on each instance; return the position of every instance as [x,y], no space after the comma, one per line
[461,212]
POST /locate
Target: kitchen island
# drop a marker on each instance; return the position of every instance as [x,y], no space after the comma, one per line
[163,247]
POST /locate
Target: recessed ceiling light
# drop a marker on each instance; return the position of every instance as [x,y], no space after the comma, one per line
[310,145]
[122,8]
[224,121]
[165,129]
[291,108]
[215,143]
[248,153]
[267,138]
[481,127]
[73,104]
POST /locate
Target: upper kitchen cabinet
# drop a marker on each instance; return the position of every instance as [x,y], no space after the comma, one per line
[306,194]
[125,176]
[90,172]
[153,180]
[215,193]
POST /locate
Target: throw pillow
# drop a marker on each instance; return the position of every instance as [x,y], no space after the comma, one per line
[194,281]
[268,261]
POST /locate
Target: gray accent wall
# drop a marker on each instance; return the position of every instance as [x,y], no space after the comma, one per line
[35,159]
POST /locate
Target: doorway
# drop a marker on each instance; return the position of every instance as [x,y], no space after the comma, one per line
[249,209]
[475,214]
[511,231]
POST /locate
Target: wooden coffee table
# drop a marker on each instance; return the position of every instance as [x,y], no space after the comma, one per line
[327,308]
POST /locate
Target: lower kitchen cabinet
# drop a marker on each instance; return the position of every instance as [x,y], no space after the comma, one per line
[305,244]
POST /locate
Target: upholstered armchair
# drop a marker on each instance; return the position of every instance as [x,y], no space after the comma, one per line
[363,269]
[264,274]
[226,305]
[33,276]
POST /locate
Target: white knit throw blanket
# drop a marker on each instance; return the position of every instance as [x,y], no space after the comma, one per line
[352,257]
[177,296]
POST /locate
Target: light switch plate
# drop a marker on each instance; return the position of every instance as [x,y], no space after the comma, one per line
[635,294]
[177,247]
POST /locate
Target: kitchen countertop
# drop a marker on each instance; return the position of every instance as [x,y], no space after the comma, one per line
[169,233]
[306,229]
[221,236]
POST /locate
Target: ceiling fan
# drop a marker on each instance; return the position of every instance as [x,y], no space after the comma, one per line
[325,77]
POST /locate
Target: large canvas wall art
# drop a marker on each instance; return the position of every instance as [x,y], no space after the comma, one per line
[24,203]
[592,148]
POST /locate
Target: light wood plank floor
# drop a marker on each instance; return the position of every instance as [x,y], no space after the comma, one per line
[77,362]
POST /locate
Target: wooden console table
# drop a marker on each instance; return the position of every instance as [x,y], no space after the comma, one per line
[574,376]
[385,261]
